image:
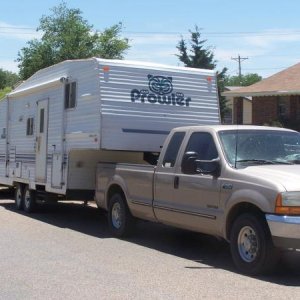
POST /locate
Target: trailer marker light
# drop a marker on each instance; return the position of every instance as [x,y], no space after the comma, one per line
[105,68]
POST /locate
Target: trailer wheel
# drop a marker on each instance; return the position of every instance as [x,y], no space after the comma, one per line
[251,245]
[29,200]
[19,196]
[120,220]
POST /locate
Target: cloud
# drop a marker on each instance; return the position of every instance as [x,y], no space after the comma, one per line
[9,65]
[156,48]
[146,39]
[266,39]
[162,56]
[256,43]
[14,32]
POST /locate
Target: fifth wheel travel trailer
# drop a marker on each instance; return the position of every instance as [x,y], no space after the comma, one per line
[60,122]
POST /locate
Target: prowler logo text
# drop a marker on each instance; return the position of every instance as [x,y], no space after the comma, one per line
[161,92]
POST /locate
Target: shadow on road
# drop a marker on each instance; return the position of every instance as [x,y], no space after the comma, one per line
[192,246]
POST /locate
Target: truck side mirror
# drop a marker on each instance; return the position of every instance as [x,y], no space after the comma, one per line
[192,165]
[211,167]
[189,163]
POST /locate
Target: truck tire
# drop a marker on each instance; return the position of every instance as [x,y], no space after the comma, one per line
[19,197]
[29,200]
[251,245]
[120,220]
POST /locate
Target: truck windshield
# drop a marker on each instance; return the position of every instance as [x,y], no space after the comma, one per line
[243,148]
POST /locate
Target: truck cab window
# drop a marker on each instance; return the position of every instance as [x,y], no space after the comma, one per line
[172,150]
[70,95]
[203,144]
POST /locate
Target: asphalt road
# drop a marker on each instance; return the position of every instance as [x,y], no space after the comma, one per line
[66,252]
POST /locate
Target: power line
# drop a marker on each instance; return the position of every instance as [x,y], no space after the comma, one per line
[239,59]
[212,33]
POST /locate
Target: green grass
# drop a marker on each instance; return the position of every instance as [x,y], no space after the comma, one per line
[4,91]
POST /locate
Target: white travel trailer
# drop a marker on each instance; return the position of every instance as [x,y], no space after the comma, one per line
[60,122]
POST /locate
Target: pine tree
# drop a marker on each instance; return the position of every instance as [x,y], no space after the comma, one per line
[199,56]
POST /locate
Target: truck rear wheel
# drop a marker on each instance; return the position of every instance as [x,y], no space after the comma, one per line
[251,245]
[29,200]
[19,196]
[120,220]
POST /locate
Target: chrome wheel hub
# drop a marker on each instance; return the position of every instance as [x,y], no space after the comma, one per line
[248,244]
[116,215]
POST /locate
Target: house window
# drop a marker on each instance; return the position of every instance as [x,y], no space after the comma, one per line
[29,127]
[70,95]
[283,107]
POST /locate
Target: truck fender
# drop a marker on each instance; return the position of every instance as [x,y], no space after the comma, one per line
[244,200]
[248,195]
[116,183]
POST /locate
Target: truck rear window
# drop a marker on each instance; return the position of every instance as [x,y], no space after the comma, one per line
[172,150]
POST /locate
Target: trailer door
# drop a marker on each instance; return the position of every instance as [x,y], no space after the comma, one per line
[41,141]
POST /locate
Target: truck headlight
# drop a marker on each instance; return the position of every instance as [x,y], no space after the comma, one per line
[288,203]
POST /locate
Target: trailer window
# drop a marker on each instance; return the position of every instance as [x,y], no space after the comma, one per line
[3,135]
[70,95]
[172,150]
[42,118]
[29,127]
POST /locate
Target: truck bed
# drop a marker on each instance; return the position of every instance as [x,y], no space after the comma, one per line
[137,186]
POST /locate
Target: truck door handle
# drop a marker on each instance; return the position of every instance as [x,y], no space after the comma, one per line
[176,182]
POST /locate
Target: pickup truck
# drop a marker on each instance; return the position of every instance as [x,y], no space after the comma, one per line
[239,183]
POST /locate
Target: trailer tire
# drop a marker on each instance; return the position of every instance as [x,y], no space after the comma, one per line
[251,245]
[120,220]
[19,197]
[29,200]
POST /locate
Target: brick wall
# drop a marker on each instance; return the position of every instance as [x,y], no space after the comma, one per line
[264,109]
[294,122]
[295,108]
[238,111]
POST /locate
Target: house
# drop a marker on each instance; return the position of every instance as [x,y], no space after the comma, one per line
[275,100]
[243,112]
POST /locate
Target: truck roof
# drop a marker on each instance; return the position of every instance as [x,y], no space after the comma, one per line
[218,128]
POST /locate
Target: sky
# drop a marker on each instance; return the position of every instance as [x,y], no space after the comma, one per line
[265,32]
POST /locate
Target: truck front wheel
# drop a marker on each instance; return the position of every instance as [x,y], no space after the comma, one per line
[120,220]
[251,245]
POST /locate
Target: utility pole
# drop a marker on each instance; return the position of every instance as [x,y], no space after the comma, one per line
[239,59]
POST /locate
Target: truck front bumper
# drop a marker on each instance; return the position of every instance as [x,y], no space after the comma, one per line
[285,230]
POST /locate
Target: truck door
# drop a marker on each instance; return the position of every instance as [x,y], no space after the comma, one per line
[164,178]
[41,141]
[193,200]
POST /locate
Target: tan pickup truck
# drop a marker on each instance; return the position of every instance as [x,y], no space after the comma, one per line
[240,183]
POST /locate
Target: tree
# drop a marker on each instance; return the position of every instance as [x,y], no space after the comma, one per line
[8,79]
[199,56]
[4,92]
[244,80]
[66,35]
